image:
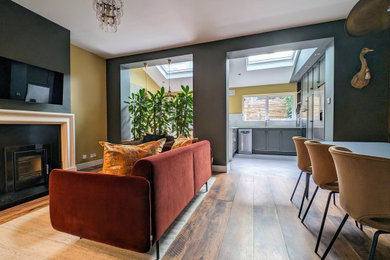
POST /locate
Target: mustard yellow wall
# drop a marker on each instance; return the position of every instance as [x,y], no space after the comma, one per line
[88,102]
[235,102]
[137,77]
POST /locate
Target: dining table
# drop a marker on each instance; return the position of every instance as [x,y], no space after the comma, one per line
[381,149]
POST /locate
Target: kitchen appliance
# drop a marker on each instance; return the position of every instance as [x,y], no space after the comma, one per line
[245,141]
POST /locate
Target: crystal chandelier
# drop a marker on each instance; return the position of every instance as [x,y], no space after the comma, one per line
[108,13]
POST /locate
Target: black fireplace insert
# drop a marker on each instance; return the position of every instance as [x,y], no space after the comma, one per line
[26,166]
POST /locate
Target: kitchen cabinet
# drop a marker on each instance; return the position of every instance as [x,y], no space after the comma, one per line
[274,140]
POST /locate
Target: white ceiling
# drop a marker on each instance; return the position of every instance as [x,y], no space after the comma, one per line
[240,77]
[160,80]
[153,25]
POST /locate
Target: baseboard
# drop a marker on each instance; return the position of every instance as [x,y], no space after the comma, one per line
[89,164]
[219,168]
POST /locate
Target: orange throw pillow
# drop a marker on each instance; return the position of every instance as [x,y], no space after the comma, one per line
[182,141]
[120,159]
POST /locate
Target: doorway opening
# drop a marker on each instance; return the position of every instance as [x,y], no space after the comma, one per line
[152,95]
[275,93]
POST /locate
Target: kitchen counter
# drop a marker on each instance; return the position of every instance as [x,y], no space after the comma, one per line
[274,140]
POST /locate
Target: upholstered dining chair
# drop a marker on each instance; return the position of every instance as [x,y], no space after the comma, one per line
[304,164]
[364,183]
[324,176]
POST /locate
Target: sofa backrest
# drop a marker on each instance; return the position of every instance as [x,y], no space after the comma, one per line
[175,177]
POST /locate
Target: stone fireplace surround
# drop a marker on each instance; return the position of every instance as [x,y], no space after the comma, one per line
[65,120]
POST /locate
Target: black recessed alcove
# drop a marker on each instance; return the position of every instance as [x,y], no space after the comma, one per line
[34,149]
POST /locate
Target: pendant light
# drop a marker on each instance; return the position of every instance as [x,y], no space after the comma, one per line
[146,80]
[169,94]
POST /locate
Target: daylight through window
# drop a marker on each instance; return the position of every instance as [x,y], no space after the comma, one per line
[272,107]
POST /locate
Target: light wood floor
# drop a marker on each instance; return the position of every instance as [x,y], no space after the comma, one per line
[247,215]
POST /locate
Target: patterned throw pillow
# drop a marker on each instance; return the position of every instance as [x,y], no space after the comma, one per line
[182,141]
[120,159]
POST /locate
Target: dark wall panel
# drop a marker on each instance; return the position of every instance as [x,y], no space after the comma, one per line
[361,114]
[32,39]
[210,83]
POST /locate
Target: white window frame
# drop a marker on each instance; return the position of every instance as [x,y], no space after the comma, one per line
[271,62]
[175,74]
[267,107]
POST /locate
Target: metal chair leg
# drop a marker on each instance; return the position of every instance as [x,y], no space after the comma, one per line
[334,199]
[307,185]
[158,249]
[296,185]
[361,226]
[308,206]
[323,222]
[374,243]
[303,199]
[335,236]
[357,224]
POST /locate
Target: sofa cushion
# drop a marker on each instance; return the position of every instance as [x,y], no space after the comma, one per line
[182,141]
[120,159]
[150,137]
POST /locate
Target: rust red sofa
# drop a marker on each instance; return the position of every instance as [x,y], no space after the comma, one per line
[130,212]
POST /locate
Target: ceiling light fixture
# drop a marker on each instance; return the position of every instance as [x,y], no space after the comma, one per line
[108,13]
[146,79]
[169,94]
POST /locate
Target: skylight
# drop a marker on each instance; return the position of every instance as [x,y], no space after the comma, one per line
[271,60]
[177,70]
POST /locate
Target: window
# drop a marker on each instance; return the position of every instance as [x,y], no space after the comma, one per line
[271,60]
[272,107]
[177,70]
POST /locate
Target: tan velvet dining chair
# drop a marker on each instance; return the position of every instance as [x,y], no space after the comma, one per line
[364,183]
[324,176]
[304,164]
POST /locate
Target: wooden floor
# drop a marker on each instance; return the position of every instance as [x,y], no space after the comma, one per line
[247,215]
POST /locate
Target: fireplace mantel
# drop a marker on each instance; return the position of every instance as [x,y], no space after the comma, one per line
[66,121]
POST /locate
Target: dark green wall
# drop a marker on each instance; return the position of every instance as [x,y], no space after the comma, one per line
[32,39]
[360,115]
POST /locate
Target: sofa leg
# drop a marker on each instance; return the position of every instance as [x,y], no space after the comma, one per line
[207,187]
[158,250]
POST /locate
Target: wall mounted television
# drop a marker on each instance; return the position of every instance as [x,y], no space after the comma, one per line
[28,83]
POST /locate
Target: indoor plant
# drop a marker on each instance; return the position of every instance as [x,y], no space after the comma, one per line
[182,113]
[138,110]
[158,120]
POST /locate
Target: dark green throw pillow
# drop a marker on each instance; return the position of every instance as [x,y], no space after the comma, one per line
[149,138]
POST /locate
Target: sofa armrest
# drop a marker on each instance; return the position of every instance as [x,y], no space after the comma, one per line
[111,209]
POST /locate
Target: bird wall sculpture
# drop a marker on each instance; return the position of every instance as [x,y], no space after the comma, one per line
[362,78]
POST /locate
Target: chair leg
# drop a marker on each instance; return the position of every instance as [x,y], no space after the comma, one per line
[357,224]
[296,185]
[158,249]
[334,199]
[323,222]
[303,198]
[361,226]
[308,206]
[335,236]
[374,243]
[307,185]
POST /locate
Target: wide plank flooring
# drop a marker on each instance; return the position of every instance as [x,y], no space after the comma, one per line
[247,214]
